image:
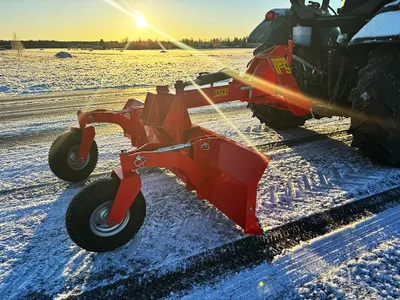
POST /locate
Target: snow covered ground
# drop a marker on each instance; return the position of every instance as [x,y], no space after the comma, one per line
[37,255]
[40,71]
[358,262]
[373,274]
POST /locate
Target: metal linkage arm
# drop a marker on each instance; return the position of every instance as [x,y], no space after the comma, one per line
[128,120]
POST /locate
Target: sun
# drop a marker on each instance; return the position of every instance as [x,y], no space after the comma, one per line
[140,20]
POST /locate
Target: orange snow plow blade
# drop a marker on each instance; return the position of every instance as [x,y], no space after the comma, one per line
[218,169]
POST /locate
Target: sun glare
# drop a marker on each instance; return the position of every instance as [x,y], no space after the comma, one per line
[259,83]
[140,20]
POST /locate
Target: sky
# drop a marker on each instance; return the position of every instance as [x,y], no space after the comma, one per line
[67,20]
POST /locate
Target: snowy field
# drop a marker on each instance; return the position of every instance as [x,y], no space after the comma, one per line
[38,258]
[40,71]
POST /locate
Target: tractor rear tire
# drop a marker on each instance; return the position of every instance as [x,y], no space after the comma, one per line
[88,211]
[375,123]
[276,118]
[64,159]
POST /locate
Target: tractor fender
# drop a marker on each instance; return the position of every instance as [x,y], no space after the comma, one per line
[272,32]
[383,27]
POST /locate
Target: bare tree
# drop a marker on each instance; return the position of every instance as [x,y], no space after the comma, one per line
[17,45]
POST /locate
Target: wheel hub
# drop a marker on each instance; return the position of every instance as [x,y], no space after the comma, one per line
[98,221]
[74,161]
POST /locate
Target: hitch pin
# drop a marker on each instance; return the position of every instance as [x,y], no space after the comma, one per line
[175,147]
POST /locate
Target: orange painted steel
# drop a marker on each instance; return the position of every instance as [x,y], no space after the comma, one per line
[216,168]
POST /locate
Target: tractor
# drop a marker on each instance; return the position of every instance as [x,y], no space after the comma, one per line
[312,62]
[347,63]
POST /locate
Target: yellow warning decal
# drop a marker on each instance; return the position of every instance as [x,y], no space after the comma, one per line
[220,93]
[279,64]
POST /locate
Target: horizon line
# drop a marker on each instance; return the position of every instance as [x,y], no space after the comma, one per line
[129,40]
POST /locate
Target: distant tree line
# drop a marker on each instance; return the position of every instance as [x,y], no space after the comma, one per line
[133,45]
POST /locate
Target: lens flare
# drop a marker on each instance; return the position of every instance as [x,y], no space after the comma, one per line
[140,20]
[230,123]
[258,83]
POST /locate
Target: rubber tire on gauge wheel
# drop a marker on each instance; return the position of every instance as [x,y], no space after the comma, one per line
[83,207]
[276,118]
[59,157]
[375,123]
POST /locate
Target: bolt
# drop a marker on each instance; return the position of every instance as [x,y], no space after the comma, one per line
[250,207]
[205,146]
[113,222]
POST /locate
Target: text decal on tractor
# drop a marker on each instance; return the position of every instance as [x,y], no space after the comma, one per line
[281,64]
[221,92]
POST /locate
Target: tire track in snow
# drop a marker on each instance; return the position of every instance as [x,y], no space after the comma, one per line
[267,146]
[300,140]
[63,184]
[29,112]
[65,95]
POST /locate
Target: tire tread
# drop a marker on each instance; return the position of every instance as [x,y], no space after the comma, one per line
[85,198]
[276,118]
[57,157]
[376,101]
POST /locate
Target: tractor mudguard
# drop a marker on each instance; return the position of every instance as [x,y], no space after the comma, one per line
[382,28]
[271,74]
[273,32]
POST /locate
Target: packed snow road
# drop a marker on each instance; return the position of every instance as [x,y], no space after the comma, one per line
[307,175]
[358,262]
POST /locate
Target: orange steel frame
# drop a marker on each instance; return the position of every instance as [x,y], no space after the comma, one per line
[217,168]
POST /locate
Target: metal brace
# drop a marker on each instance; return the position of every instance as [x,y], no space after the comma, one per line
[248,88]
[175,147]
